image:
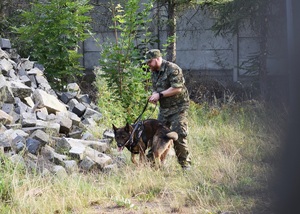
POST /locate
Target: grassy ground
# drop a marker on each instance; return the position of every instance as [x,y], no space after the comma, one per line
[233,149]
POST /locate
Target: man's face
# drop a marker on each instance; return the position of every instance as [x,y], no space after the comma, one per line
[153,64]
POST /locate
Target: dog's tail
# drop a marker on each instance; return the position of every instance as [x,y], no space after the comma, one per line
[172,135]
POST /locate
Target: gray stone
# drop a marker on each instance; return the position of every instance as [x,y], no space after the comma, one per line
[11,74]
[22,73]
[73,87]
[15,133]
[5,145]
[87,164]
[70,166]
[33,146]
[6,94]
[62,146]
[79,109]
[72,103]
[28,119]
[87,136]
[65,124]
[49,101]
[98,145]
[33,81]
[5,43]
[4,54]
[41,115]
[99,158]
[36,113]
[91,113]
[18,143]
[52,117]
[109,134]
[26,64]
[8,108]
[25,80]
[5,118]
[59,171]
[66,97]
[48,153]
[5,65]
[29,102]
[29,130]
[20,147]
[39,66]
[75,134]
[40,136]
[20,90]
[21,107]
[109,168]
[75,119]
[84,98]
[18,160]
[89,122]
[51,127]
[59,158]
[43,83]
[35,71]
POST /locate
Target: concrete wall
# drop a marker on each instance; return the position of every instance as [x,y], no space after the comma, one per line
[199,51]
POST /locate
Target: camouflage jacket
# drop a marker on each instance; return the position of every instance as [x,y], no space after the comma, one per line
[170,75]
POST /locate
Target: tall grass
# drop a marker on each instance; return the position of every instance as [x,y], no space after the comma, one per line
[233,150]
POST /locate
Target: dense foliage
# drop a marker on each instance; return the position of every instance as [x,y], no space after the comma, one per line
[51,33]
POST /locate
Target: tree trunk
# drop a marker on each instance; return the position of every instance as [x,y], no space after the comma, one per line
[171,31]
[263,82]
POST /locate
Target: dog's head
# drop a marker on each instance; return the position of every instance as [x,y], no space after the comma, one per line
[122,135]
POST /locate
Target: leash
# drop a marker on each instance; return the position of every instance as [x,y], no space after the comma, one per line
[145,107]
[137,119]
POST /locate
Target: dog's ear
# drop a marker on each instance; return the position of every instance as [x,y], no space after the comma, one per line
[114,128]
[127,127]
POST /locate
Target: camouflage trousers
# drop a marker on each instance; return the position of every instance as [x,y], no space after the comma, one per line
[178,122]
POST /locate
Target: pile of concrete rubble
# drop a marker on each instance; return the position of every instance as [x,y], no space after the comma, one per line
[43,130]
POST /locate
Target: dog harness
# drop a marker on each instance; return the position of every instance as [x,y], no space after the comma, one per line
[135,137]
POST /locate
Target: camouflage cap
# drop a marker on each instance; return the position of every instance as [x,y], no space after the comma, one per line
[152,54]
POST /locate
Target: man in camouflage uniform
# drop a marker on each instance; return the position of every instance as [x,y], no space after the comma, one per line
[169,89]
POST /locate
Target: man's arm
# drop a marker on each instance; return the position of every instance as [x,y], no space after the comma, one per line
[166,93]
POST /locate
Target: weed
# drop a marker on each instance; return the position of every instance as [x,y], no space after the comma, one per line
[124,202]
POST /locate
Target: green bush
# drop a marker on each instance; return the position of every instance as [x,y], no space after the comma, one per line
[51,33]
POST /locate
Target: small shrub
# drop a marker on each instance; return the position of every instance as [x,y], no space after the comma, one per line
[5,180]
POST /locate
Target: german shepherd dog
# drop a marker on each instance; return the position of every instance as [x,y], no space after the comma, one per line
[145,134]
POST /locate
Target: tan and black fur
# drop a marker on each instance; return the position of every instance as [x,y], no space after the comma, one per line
[153,135]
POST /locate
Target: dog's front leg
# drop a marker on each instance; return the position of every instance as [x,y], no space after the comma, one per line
[157,162]
[133,159]
[142,156]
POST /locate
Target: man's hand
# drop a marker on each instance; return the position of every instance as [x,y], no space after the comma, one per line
[154,98]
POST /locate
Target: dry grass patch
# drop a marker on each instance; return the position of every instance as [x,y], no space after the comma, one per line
[232,150]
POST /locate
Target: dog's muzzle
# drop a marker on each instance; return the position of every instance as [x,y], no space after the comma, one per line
[120,147]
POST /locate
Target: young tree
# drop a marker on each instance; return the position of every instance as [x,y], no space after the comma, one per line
[121,59]
[173,8]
